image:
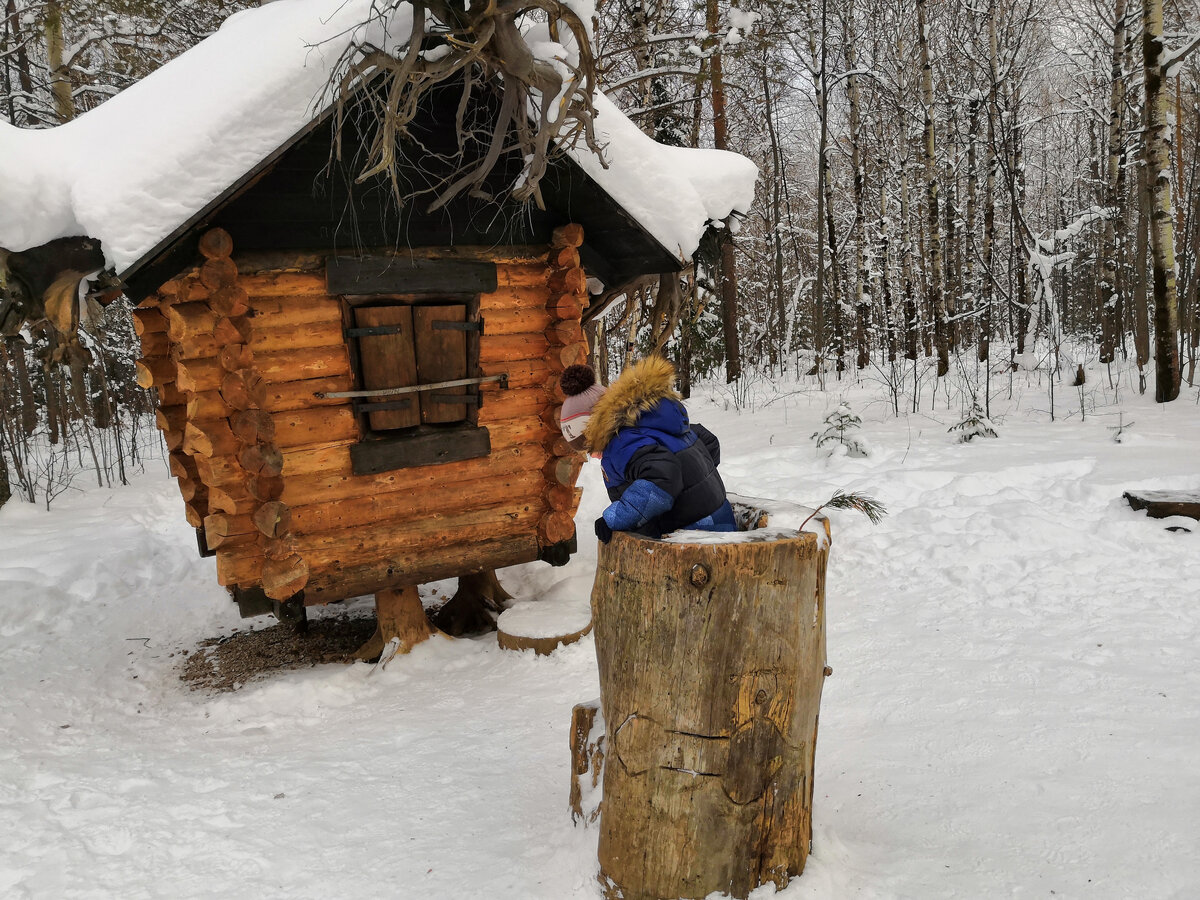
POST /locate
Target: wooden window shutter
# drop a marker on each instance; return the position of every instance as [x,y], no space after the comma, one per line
[388,360]
[441,350]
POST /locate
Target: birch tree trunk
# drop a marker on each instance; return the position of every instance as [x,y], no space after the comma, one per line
[1162,249]
[60,78]
[729,289]
[912,319]
[970,287]
[936,292]
[862,305]
[1141,306]
[777,316]
[1109,296]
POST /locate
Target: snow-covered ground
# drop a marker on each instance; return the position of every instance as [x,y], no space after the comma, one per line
[1014,709]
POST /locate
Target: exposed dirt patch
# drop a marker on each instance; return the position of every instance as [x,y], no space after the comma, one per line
[227,663]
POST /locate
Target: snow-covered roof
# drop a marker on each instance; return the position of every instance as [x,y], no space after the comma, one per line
[134,169]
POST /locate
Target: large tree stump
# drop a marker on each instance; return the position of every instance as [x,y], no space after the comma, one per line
[712,657]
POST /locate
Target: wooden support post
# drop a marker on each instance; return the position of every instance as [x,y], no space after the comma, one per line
[711,659]
[399,614]
[471,609]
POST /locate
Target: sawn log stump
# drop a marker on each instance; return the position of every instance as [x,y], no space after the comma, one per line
[711,658]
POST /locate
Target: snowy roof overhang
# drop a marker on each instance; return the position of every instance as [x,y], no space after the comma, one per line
[152,162]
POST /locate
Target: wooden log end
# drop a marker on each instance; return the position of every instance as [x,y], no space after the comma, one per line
[243,390]
[216,243]
[232,330]
[556,527]
[155,372]
[564,333]
[211,438]
[563,470]
[261,459]
[264,487]
[217,273]
[564,306]
[230,300]
[253,426]
[570,235]
[563,258]
[282,579]
[569,281]
[181,465]
[272,519]
[149,321]
[194,513]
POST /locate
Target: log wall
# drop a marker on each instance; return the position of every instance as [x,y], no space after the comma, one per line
[238,351]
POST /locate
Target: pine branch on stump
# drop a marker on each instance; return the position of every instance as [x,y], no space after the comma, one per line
[712,658]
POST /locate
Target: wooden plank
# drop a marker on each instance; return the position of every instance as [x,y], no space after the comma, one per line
[416,536]
[342,582]
[521,373]
[314,427]
[408,275]
[388,361]
[407,451]
[283,286]
[324,333]
[513,404]
[313,362]
[525,319]
[441,356]
[308,482]
[514,490]
[294,395]
[504,348]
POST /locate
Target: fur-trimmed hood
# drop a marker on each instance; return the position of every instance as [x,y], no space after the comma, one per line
[639,389]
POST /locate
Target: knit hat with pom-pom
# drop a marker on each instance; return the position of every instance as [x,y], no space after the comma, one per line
[579,384]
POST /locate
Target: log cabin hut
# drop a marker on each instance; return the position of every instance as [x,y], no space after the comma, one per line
[356,397]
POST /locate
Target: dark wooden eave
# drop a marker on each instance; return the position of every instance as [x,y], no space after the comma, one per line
[296,199]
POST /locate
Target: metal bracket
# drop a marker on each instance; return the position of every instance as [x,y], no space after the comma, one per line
[373,331]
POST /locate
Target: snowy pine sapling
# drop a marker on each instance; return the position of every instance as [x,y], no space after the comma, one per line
[838,427]
[976,424]
[1120,428]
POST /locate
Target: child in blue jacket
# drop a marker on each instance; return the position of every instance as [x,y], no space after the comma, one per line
[660,470]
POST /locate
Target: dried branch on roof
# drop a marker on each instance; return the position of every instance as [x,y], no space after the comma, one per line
[544,102]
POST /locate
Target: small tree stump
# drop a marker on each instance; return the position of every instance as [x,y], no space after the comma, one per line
[544,625]
[712,658]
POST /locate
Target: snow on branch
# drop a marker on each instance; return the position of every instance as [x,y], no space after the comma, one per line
[1171,60]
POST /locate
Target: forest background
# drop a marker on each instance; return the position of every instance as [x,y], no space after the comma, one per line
[948,188]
